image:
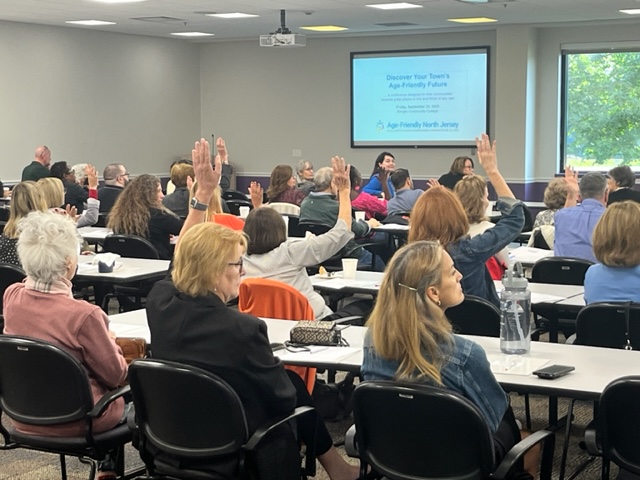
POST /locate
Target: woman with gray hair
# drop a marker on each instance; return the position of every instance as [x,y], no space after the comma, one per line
[43,307]
[621,182]
[304,175]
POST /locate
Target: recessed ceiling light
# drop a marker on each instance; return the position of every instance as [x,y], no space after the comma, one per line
[631,11]
[192,34]
[231,15]
[473,20]
[118,1]
[324,28]
[395,6]
[91,23]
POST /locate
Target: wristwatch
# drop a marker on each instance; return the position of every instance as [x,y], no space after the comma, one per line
[195,204]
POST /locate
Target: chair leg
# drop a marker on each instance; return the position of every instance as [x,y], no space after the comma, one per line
[565,446]
[527,411]
[63,467]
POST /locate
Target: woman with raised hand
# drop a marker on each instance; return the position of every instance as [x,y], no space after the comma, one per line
[379,182]
[439,215]
[410,339]
[139,211]
[191,323]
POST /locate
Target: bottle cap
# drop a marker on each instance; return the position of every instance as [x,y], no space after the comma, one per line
[514,278]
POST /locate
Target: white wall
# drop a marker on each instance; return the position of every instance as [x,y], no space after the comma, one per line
[95,97]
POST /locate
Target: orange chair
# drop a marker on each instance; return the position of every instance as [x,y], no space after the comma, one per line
[263,297]
[228,220]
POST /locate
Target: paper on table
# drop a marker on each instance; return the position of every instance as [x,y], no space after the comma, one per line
[86,268]
[545,298]
[318,354]
[515,364]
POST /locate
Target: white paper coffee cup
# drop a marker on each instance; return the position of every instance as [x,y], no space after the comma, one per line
[359,215]
[349,267]
[244,211]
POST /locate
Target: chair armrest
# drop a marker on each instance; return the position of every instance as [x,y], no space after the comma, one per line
[591,440]
[522,447]
[351,320]
[102,404]
[350,445]
[263,431]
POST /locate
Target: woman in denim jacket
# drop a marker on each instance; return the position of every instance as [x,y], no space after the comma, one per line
[439,215]
[410,339]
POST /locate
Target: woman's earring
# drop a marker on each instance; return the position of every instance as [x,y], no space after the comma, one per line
[439,303]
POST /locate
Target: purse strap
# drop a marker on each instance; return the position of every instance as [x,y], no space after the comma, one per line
[627,312]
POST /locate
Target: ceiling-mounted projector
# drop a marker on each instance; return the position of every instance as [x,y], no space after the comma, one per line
[283,36]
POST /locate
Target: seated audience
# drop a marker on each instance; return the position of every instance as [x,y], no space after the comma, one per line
[379,182]
[178,200]
[460,167]
[271,255]
[321,207]
[171,187]
[304,176]
[555,196]
[43,307]
[282,186]
[39,168]
[52,191]
[138,211]
[439,215]
[215,210]
[616,276]
[190,323]
[115,178]
[27,197]
[79,172]
[410,339]
[372,206]
[474,196]
[621,182]
[574,224]
[406,196]
[74,194]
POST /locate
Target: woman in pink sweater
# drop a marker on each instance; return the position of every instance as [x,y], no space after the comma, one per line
[43,307]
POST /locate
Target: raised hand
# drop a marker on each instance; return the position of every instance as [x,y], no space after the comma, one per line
[571,179]
[487,153]
[221,146]
[256,193]
[341,171]
[207,176]
[92,176]
[433,183]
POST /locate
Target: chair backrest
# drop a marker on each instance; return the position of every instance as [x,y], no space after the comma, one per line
[528,219]
[228,220]
[102,220]
[560,270]
[233,195]
[197,414]
[264,297]
[9,274]
[293,228]
[475,316]
[234,206]
[40,383]
[620,423]
[285,208]
[130,246]
[604,325]
[411,432]
[315,228]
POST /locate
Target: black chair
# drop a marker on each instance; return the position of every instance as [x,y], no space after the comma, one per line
[233,195]
[234,206]
[9,274]
[475,316]
[198,418]
[102,220]
[413,432]
[525,233]
[41,384]
[130,246]
[562,271]
[610,325]
[293,229]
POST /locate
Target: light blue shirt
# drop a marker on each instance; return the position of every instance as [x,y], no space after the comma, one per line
[612,284]
[404,200]
[574,228]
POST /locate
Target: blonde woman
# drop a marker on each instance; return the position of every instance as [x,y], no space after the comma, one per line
[26,197]
[139,211]
[52,191]
[410,338]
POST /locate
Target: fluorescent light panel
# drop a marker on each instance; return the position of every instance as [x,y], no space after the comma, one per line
[90,23]
[631,11]
[192,34]
[395,6]
[118,1]
[472,20]
[231,15]
[324,28]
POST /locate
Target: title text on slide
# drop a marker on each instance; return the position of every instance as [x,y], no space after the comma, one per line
[418,80]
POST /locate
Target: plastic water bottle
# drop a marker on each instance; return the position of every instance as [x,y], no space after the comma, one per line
[515,312]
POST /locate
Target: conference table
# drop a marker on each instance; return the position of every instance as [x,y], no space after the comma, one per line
[595,367]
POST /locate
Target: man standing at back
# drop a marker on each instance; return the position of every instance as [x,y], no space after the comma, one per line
[574,224]
[39,168]
[115,178]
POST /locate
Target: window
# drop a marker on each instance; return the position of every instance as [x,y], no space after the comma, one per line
[600,116]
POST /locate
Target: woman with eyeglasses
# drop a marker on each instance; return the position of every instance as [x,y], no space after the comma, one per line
[460,167]
[304,176]
[410,339]
[191,323]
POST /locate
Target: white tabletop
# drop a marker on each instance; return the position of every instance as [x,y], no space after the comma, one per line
[548,292]
[125,270]
[365,282]
[595,367]
[94,233]
[392,227]
[527,256]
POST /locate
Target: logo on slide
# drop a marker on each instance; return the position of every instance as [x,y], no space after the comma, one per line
[380,126]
